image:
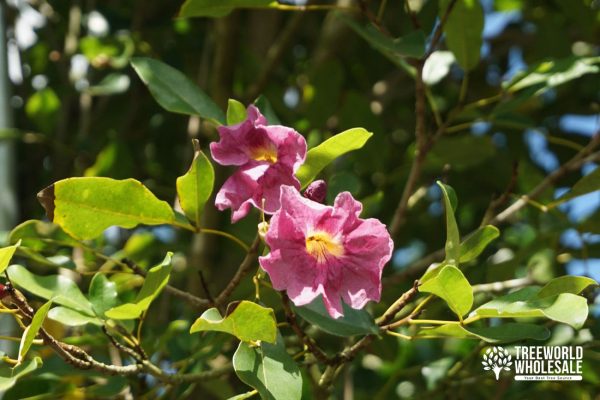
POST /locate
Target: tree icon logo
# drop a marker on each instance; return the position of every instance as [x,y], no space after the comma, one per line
[496,359]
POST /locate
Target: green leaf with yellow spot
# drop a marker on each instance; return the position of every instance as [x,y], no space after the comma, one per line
[85,207]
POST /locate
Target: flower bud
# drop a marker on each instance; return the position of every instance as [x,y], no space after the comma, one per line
[263,228]
[316,191]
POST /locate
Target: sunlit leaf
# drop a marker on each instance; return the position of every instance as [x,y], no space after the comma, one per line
[156,279]
[475,243]
[566,284]
[85,207]
[451,285]
[70,317]
[236,112]
[319,157]
[452,235]
[6,255]
[552,73]
[195,187]
[567,308]
[245,320]
[32,330]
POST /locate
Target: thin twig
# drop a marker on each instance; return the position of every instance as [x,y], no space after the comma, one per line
[420,152]
[503,285]
[242,271]
[439,29]
[80,359]
[307,341]
[348,354]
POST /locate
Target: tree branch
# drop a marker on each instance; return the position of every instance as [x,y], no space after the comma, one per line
[79,358]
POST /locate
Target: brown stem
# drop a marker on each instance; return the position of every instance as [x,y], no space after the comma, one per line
[310,345]
[332,371]
[242,271]
[79,358]
[420,152]
[437,34]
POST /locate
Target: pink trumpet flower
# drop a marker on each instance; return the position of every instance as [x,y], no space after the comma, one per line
[268,156]
[323,250]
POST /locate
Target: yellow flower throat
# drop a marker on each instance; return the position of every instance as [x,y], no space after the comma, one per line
[266,153]
[322,245]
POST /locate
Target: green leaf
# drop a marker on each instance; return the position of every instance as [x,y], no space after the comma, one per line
[320,156]
[85,207]
[41,236]
[6,255]
[10,376]
[464,31]
[245,320]
[70,317]
[510,332]
[32,330]
[59,288]
[156,279]
[452,235]
[451,285]
[552,73]
[474,244]
[588,184]
[354,322]
[195,187]
[174,91]
[269,369]
[220,8]
[411,45]
[103,294]
[566,284]
[567,308]
[236,112]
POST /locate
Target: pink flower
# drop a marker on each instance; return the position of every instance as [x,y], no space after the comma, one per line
[318,249]
[268,157]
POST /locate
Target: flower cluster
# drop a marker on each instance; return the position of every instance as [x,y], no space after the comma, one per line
[315,249]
